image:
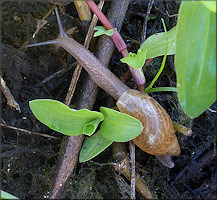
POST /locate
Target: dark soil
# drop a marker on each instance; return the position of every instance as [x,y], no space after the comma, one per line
[29,162]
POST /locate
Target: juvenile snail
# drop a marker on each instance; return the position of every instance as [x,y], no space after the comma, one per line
[158,136]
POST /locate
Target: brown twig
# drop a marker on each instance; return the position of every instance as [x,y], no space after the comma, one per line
[133,179]
[78,68]
[58,73]
[123,166]
[175,15]
[49,12]
[10,99]
[28,132]
[150,4]
[182,129]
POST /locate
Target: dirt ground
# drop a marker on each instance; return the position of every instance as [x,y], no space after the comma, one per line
[29,161]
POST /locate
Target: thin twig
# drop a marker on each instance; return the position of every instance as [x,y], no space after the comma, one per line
[122,166]
[48,13]
[150,4]
[78,68]
[10,99]
[133,179]
[182,129]
[58,73]
[29,132]
[175,15]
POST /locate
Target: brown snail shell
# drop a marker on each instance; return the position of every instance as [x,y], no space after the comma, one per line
[158,135]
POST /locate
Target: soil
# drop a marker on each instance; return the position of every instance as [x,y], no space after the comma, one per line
[29,161]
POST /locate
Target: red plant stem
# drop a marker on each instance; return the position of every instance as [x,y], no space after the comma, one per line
[119,43]
[99,14]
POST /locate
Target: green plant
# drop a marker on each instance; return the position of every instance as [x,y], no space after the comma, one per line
[100,30]
[193,41]
[115,126]
[153,46]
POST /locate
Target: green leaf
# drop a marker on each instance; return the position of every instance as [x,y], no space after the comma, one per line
[119,127]
[61,118]
[211,5]
[91,126]
[5,195]
[195,58]
[161,89]
[109,32]
[154,46]
[135,60]
[100,30]
[93,146]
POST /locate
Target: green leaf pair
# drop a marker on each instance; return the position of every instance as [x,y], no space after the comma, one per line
[154,46]
[118,127]
[115,126]
[100,30]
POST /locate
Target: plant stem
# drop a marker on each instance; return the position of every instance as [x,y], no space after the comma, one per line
[162,89]
[162,64]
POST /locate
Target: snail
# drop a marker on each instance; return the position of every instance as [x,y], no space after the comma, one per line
[158,135]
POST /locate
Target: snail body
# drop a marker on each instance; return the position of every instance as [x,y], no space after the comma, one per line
[158,135]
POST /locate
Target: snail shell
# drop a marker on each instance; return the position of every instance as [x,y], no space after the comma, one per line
[158,135]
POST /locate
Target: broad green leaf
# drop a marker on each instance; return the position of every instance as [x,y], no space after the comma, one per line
[5,195]
[154,46]
[195,58]
[61,118]
[119,127]
[93,146]
[100,30]
[211,5]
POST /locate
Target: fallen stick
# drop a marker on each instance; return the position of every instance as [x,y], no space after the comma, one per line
[10,99]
